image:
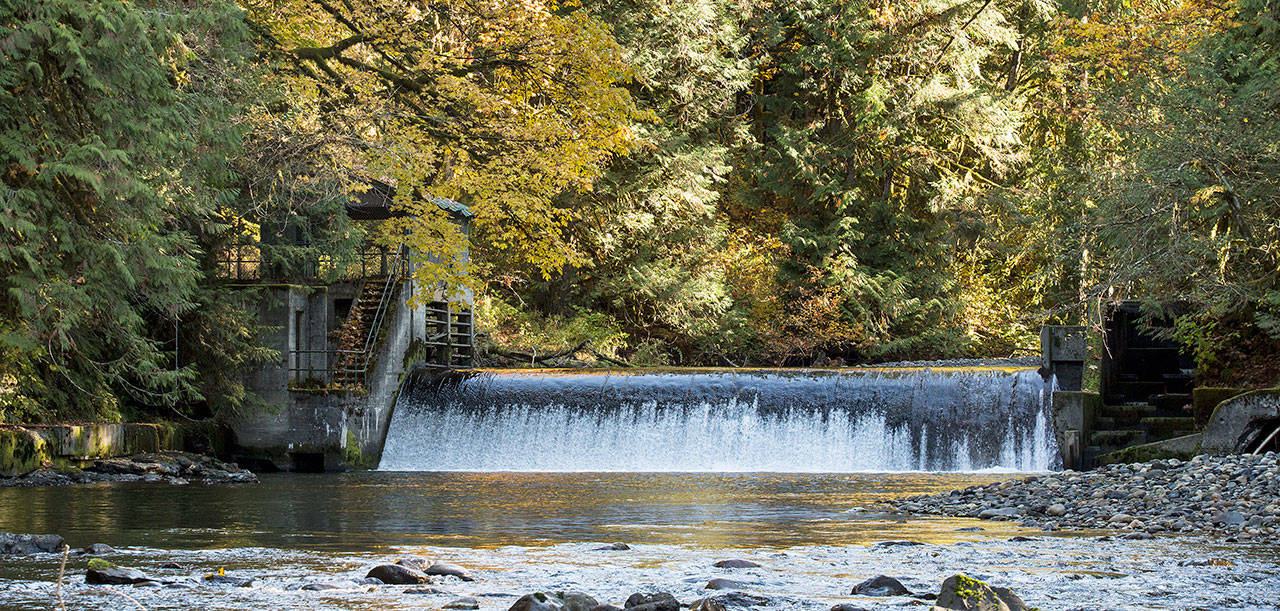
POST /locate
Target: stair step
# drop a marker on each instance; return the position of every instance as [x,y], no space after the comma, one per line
[1169,427]
[1117,439]
[1171,402]
[1128,414]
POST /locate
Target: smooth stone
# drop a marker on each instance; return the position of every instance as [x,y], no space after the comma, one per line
[880,585]
[724,584]
[606,608]
[415,563]
[466,602]
[555,601]
[449,570]
[426,591]
[319,587]
[14,543]
[897,543]
[97,549]
[115,576]
[1056,510]
[661,601]
[736,563]
[847,607]
[728,600]
[970,529]
[239,582]
[1002,512]
[614,547]
[1230,518]
[172,565]
[397,574]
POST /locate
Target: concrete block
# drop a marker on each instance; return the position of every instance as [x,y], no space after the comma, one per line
[1241,422]
[21,451]
[1073,416]
[1205,398]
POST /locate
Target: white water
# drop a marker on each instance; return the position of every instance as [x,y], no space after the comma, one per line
[726,421]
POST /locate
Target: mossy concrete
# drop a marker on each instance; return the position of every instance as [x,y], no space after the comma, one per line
[1181,448]
[21,451]
[24,449]
[1205,398]
[1240,423]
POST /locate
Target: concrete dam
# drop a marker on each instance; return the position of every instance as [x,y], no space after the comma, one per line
[721,420]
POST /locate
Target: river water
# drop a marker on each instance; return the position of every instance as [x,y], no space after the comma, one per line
[524,532]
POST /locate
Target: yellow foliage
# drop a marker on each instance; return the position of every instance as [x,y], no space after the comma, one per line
[502,105]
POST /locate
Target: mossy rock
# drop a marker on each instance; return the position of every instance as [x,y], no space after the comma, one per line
[963,593]
[21,451]
[99,564]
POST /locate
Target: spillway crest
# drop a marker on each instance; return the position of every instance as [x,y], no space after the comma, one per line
[799,421]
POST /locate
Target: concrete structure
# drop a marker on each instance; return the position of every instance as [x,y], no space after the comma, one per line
[1244,423]
[344,348]
[1062,354]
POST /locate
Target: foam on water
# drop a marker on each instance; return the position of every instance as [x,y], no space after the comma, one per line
[810,421]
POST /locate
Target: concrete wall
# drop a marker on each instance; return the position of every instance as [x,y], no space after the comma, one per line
[23,449]
[307,426]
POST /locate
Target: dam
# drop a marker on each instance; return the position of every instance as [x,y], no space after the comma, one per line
[720,420]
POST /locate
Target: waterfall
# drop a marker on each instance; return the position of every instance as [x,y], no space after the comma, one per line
[714,420]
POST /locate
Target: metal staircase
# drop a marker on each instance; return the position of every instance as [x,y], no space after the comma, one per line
[358,337]
[450,336]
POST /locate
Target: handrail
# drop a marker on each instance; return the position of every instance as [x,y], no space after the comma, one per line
[393,276]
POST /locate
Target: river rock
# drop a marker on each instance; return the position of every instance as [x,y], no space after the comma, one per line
[415,563]
[880,585]
[466,602]
[614,547]
[11,543]
[1056,509]
[319,587]
[97,549]
[736,563]
[961,593]
[999,512]
[606,608]
[229,580]
[555,601]
[847,607]
[397,575]
[449,570]
[1229,518]
[728,600]
[720,583]
[115,576]
[661,601]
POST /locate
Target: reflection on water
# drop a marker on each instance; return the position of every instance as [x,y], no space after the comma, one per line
[357,511]
[524,532]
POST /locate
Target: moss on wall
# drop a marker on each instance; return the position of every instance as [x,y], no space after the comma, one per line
[21,451]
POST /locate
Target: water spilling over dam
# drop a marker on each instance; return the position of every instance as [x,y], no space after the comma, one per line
[696,420]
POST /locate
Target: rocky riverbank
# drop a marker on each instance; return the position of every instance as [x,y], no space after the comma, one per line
[1235,498]
[175,468]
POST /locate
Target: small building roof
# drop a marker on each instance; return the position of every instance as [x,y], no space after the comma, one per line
[375,204]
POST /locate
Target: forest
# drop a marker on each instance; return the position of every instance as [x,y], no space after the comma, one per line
[670,182]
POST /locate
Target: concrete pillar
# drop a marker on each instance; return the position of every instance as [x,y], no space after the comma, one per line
[1062,354]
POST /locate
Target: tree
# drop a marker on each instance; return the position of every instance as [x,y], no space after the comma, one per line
[502,105]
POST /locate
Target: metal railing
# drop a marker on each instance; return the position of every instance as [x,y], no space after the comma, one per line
[346,369]
[246,263]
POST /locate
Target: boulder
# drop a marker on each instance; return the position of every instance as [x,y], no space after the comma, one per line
[661,601]
[115,576]
[736,563]
[11,543]
[727,601]
[555,601]
[97,549]
[880,585]
[466,602]
[614,547]
[228,580]
[397,574]
[415,563]
[724,584]
[449,570]
[606,608]
[961,593]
